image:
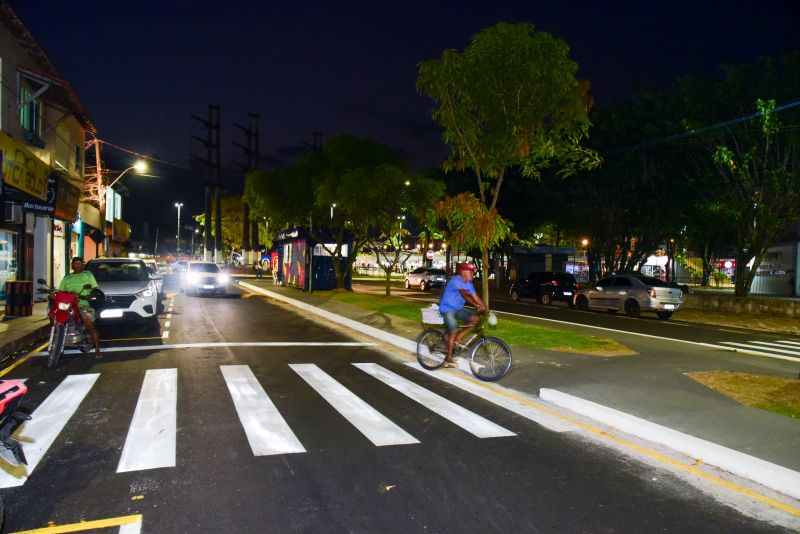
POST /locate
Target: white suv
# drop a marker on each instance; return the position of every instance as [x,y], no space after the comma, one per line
[131,293]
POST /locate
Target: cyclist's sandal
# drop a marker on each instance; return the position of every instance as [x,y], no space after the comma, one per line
[450,363]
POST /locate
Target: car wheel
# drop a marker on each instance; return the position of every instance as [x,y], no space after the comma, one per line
[664,315]
[545,299]
[632,308]
[582,302]
[515,295]
[423,286]
[408,284]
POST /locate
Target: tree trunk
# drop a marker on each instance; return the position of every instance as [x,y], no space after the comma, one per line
[485,275]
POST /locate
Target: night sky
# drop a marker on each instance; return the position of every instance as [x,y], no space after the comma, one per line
[143,68]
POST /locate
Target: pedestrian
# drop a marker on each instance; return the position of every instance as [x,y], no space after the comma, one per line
[259,270]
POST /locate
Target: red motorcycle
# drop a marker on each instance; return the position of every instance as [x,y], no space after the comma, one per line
[68,330]
[11,392]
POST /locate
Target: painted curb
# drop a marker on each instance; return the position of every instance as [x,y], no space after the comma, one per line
[773,476]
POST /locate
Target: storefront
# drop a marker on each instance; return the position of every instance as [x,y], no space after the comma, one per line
[89,226]
[299,255]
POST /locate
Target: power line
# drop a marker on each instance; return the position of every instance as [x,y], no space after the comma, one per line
[696,131]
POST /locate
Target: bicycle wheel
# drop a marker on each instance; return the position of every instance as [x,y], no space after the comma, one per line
[431,348]
[490,359]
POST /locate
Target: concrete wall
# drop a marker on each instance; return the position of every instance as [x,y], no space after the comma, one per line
[728,303]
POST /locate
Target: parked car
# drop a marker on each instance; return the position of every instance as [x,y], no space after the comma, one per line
[545,287]
[152,266]
[631,293]
[425,278]
[131,293]
[204,277]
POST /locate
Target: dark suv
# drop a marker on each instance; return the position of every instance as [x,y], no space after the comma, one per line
[545,287]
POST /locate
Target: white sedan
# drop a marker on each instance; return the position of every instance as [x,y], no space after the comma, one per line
[631,293]
[203,277]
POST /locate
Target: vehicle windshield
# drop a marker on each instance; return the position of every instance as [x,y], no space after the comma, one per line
[118,271]
[204,268]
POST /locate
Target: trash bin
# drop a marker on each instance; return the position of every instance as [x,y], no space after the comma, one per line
[19,298]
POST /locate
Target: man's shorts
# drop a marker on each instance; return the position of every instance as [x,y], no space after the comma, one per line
[451,318]
[87,313]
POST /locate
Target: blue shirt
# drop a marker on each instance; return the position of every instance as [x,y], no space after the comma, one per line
[451,296]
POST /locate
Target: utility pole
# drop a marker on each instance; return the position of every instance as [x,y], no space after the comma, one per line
[212,162]
[251,156]
[155,247]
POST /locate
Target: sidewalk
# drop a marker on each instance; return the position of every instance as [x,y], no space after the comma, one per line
[647,396]
[17,333]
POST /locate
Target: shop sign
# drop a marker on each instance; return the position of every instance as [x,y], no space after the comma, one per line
[58,229]
[122,231]
[22,169]
[61,200]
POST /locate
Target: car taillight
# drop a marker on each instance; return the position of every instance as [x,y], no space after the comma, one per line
[554,283]
[651,293]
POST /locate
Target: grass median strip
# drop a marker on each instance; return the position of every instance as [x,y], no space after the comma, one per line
[514,332]
[772,393]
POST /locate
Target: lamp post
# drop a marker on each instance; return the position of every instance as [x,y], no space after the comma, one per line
[332,206]
[178,248]
[139,167]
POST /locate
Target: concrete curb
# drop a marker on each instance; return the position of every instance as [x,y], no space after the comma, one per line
[14,345]
[760,471]
[765,473]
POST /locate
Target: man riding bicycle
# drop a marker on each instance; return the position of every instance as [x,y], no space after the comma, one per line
[457,292]
[74,283]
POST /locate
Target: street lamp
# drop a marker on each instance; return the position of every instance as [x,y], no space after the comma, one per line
[332,206]
[140,167]
[178,251]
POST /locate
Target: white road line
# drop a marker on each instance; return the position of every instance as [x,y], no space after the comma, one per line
[164,335]
[131,528]
[47,422]
[169,316]
[166,324]
[267,432]
[471,422]
[789,342]
[151,437]
[226,344]
[556,424]
[779,344]
[759,347]
[765,354]
[375,427]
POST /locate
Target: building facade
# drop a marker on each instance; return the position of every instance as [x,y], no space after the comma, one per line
[43,129]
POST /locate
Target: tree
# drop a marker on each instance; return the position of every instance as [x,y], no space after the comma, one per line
[232,214]
[509,99]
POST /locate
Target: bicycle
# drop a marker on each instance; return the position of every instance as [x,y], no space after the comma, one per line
[489,357]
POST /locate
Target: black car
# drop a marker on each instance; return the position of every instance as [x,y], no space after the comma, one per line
[545,287]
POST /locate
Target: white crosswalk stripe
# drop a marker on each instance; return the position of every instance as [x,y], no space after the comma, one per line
[375,427]
[471,422]
[151,436]
[47,422]
[266,431]
[782,349]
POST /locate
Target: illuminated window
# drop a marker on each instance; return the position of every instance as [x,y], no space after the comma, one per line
[30,115]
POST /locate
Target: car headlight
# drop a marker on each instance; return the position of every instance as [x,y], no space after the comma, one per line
[192,278]
[223,279]
[145,293]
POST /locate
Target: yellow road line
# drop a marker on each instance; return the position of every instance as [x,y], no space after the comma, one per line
[86,525]
[23,359]
[644,450]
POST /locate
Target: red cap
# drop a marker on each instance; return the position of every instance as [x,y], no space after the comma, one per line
[466,267]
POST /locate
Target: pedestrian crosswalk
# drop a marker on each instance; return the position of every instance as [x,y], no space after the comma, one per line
[782,349]
[152,436]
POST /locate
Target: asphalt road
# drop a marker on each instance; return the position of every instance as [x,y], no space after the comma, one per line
[270,436]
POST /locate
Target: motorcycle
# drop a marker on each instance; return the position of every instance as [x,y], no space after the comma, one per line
[68,330]
[11,393]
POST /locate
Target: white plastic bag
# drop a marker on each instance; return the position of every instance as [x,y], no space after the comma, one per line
[492,319]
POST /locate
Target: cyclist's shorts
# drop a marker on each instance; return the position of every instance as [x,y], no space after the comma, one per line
[87,313]
[451,318]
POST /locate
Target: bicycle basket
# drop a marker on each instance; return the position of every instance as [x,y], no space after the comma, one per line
[431,315]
